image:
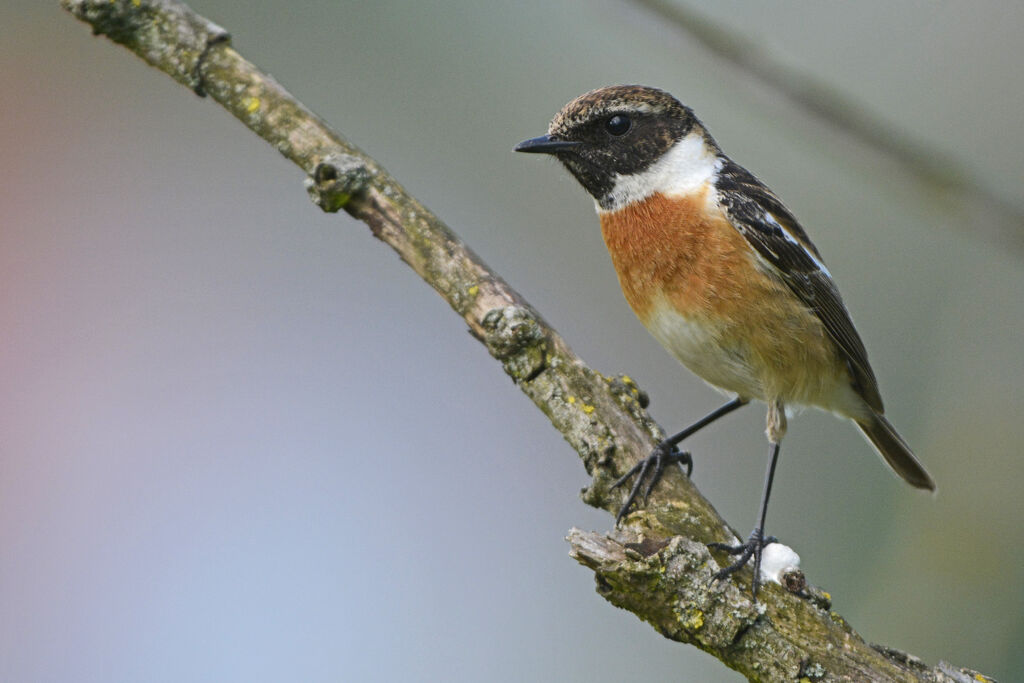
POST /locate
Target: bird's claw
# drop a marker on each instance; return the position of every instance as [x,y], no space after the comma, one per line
[754,547]
[651,469]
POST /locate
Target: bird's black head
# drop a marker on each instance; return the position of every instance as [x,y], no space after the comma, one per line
[613,132]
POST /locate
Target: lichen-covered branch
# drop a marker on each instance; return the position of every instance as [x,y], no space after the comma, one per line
[657,566]
[787,638]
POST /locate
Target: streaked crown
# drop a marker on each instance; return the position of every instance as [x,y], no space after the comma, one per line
[615,132]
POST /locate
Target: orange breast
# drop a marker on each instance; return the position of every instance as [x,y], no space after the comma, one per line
[672,248]
[699,287]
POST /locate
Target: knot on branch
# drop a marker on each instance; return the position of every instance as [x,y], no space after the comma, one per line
[336,179]
[212,41]
[626,390]
[513,336]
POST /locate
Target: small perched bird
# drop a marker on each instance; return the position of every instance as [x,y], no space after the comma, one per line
[722,274]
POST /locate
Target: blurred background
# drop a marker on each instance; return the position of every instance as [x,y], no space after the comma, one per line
[240,441]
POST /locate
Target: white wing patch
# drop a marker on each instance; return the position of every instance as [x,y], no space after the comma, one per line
[792,240]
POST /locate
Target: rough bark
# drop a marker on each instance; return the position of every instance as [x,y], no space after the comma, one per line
[657,565]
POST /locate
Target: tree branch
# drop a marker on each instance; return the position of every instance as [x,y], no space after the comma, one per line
[658,566]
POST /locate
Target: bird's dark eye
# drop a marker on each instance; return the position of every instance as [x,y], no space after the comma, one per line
[618,125]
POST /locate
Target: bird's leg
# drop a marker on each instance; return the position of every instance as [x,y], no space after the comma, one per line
[755,544]
[664,454]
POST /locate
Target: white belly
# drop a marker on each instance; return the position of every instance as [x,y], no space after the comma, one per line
[705,352]
[726,363]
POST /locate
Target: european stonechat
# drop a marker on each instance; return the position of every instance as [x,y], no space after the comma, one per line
[721,273]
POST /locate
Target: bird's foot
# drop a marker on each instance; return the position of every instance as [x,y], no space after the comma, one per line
[651,469]
[754,547]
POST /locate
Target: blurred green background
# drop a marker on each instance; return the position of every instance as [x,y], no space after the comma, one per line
[240,441]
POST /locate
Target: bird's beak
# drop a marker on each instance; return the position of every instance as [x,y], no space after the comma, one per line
[545,144]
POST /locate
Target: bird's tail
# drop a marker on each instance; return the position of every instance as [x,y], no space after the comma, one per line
[895,451]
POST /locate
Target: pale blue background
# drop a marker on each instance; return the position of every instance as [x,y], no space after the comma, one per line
[240,441]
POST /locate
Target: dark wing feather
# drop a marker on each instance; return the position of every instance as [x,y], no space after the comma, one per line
[764,221]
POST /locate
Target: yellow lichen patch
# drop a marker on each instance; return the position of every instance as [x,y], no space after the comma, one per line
[588,409]
[474,290]
[694,620]
[251,104]
[571,400]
